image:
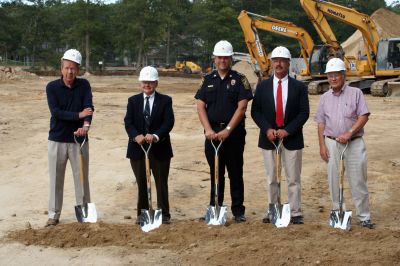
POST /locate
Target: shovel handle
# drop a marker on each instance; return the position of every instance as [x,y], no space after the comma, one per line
[278,161]
[278,165]
[148,174]
[80,143]
[341,165]
[216,147]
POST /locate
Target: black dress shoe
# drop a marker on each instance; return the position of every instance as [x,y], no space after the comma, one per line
[367,224]
[240,218]
[297,220]
[166,220]
[266,220]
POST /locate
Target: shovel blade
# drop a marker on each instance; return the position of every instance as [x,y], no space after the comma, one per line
[215,216]
[279,214]
[150,220]
[86,213]
[341,220]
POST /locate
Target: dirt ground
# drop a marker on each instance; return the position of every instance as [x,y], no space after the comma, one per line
[115,240]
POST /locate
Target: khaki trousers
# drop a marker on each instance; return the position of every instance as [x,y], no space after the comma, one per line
[59,153]
[291,162]
[355,161]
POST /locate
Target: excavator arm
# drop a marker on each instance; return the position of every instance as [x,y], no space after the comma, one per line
[250,22]
[316,11]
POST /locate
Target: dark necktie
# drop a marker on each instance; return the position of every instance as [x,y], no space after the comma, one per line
[146,114]
[279,105]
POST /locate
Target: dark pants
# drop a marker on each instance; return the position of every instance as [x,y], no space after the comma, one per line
[231,157]
[160,171]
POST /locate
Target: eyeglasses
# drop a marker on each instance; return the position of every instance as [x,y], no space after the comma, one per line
[334,76]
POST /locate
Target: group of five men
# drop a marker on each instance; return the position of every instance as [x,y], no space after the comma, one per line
[280,108]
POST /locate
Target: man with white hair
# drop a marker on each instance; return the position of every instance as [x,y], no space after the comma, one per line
[280,109]
[71,107]
[341,116]
[149,119]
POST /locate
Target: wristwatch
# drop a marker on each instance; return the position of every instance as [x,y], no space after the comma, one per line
[228,128]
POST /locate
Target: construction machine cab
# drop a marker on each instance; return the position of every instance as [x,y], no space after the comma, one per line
[388,54]
[319,58]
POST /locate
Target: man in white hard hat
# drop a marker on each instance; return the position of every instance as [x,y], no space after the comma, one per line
[221,104]
[71,107]
[280,109]
[149,119]
[341,116]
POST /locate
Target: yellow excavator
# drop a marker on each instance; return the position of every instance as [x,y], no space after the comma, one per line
[382,62]
[250,22]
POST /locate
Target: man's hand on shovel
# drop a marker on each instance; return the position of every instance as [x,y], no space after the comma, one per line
[82,131]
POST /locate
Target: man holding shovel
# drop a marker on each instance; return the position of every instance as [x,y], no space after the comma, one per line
[149,119]
[70,103]
[341,116]
[280,109]
[221,105]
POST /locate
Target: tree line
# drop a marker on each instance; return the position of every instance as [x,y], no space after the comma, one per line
[141,32]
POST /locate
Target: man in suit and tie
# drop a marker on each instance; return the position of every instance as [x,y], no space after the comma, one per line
[149,119]
[280,109]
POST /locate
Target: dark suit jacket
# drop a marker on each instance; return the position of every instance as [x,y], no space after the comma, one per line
[161,123]
[296,113]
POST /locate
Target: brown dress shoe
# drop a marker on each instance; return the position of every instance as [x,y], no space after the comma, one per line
[52,222]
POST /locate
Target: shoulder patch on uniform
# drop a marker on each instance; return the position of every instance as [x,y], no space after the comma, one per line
[245,82]
[202,81]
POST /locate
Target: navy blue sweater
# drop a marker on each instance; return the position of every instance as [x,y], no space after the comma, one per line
[65,104]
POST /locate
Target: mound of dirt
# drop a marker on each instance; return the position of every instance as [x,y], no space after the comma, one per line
[10,73]
[387,23]
[246,69]
[255,243]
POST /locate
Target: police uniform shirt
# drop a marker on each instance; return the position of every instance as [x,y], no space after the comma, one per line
[222,95]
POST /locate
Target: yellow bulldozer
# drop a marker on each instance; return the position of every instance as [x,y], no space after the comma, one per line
[188,67]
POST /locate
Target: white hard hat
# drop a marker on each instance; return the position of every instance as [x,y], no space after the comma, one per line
[72,55]
[223,48]
[334,65]
[148,73]
[281,52]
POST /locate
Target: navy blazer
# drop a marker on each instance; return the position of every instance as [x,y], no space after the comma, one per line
[161,123]
[296,113]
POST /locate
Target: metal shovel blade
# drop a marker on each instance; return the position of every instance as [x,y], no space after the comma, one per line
[216,215]
[279,214]
[341,220]
[86,213]
[150,220]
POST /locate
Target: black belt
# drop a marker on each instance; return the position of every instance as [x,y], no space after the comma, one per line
[219,125]
[353,138]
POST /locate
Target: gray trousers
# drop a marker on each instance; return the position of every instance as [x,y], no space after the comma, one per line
[59,153]
[291,162]
[355,161]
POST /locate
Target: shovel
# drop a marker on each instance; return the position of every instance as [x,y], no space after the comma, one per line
[216,215]
[85,213]
[149,219]
[279,214]
[341,218]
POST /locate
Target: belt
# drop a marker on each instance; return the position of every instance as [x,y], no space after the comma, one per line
[219,125]
[353,138]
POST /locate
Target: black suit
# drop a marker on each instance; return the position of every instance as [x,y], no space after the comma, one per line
[297,112]
[161,123]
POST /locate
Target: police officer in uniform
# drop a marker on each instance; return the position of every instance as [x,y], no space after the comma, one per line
[221,104]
